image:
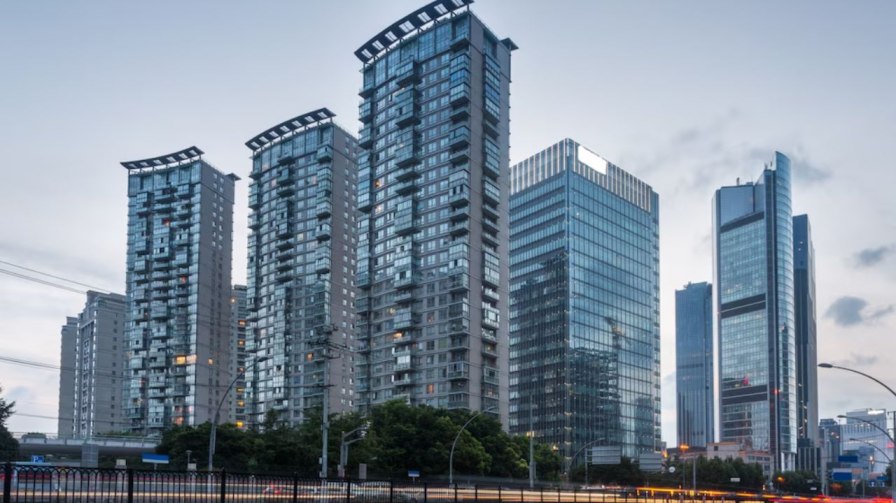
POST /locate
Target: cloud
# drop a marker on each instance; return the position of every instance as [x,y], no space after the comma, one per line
[872,256]
[807,173]
[850,311]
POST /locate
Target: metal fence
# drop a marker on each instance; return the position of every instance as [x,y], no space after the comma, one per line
[33,484]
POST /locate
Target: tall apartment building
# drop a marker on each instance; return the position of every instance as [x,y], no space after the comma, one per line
[433,191]
[808,453]
[301,266]
[93,356]
[584,335]
[694,377]
[754,299]
[239,313]
[180,224]
[65,425]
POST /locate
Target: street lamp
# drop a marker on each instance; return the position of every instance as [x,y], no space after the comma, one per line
[574,456]
[212,436]
[684,448]
[878,381]
[343,446]
[872,444]
[453,444]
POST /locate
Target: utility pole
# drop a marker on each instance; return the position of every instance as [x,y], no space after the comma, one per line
[326,345]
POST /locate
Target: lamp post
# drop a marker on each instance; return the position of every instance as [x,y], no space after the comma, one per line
[343,446]
[453,444]
[212,436]
[878,381]
[574,456]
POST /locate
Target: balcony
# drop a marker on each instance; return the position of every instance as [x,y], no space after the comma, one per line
[404,223]
[458,228]
[365,111]
[490,211]
[459,370]
[490,225]
[458,283]
[459,138]
[490,318]
[406,173]
[404,379]
[322,265]
[490,375]
[490,192]
[406,187]
[324,209]
[285,157]
[491,167]
[460,156]
[364,202]
[255,201]
[285,189]
[459,95]
[490,350]
[324,154]
[460,196]
[406,156]
[362,305]
[365,139]
[323,232]
[405,319]
[401,339]
[406,74]
[406,281]
[491,294]
[362,280]
[403,297]
[408,117]
[367,89]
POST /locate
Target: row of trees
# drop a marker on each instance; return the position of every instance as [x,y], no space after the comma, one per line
[711,474]
[398,438]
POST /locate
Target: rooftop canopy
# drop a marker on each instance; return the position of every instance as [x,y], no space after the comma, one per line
[406,25]
[289,127]
[163,161]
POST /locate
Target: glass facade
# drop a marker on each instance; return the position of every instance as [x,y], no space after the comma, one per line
[754,275]
[432,192]
[584,359]
[180,223]
[808,454]
[238,324]
[694,378]
[301,265]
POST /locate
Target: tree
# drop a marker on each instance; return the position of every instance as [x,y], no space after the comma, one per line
[9,446]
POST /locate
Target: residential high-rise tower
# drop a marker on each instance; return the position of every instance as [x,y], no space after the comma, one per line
[239,313]
[180,222]
[694,378]
[806,348]
[68,341]
[301,265]
[585,338]
[433,192]
[754,298]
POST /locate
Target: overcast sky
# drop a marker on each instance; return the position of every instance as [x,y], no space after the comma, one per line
[687,96]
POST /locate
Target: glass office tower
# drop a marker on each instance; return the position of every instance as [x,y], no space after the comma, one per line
[754,298]
[180,224]
[808,454]
[301,265]
[694,365]
[585,339]
[432,191]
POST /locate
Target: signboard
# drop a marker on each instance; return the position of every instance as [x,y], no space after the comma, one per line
[735,479]
[156,459]
[848,458]
[841,475]
[606,455]
[362,471]
[191,467]
[650,462]
[413,474]
[37,459]
[121,463]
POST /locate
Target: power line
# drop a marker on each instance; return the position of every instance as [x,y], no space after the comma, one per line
[41,281]
[55,277]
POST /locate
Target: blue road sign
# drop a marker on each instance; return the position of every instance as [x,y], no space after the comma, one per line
[157,459]
[37,459]
[838,476]
[413,473]
[848,458]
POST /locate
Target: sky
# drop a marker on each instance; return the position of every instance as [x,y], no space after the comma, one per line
[688,96]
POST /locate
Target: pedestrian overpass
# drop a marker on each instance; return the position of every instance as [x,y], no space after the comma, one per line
[88,448]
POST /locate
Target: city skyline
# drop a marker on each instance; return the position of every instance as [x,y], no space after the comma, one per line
[666,131]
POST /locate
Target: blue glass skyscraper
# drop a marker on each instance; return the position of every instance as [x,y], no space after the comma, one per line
[585,340]
[694,365]
[433,190]
[753,262]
